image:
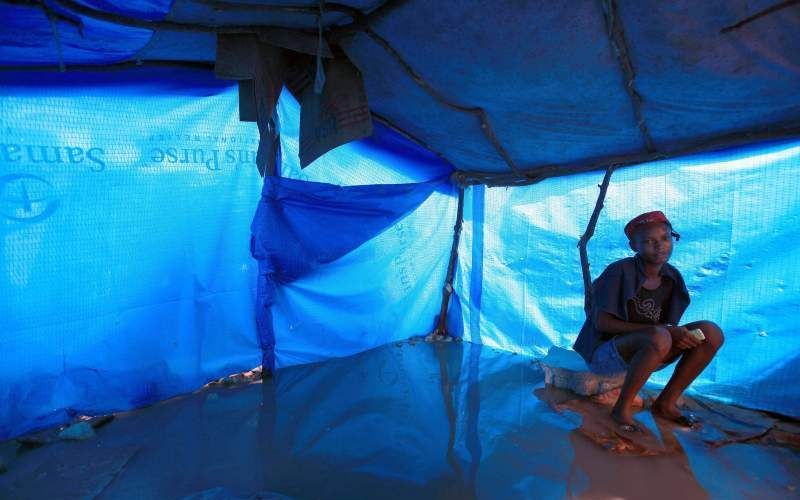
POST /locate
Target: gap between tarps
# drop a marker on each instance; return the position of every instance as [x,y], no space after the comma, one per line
[476,274]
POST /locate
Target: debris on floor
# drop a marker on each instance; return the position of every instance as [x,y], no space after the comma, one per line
[248,377]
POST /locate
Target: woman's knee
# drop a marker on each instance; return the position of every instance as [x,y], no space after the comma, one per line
[652,338]
[712,332]
[660,340]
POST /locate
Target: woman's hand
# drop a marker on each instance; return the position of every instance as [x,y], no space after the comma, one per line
[682,339]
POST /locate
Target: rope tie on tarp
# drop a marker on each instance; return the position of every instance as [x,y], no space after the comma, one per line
[53,17]
[57,36]
[319,78]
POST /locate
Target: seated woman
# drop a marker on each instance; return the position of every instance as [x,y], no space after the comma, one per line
[633,325]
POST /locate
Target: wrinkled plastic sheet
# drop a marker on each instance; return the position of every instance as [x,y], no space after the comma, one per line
[353,249]
[407,420]
[125,202]
[386,157]
[86,237]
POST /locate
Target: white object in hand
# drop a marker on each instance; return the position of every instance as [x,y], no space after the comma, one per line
[698,334]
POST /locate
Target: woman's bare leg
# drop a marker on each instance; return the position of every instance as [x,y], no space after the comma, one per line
[644,352]
[691,364]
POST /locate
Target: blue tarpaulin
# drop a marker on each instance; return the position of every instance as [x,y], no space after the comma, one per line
[141,255]
[520,285]
[359,246]
[125,275]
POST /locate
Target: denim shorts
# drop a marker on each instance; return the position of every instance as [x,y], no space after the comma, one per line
[607,361]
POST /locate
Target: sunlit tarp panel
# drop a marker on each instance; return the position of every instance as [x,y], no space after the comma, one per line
[386,157]
[344,269]
[738,212]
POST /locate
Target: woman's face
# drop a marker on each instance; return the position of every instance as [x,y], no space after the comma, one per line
[653,242]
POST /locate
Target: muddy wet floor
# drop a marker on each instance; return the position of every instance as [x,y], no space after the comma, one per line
[412,420]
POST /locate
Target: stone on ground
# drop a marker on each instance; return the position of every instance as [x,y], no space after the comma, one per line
[565,369]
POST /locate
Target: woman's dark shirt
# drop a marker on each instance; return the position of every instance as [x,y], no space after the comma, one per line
[648,306]
[615,287]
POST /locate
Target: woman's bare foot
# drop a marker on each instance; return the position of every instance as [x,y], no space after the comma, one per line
[672,413]
[668,411]
[624,418]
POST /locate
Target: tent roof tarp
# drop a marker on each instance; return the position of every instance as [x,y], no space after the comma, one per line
[579,84]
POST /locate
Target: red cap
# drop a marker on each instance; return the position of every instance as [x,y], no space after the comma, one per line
[644,219]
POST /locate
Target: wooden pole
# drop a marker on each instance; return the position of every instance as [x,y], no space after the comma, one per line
[598,206]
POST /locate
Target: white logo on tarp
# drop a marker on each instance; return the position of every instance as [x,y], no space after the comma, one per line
[26,198]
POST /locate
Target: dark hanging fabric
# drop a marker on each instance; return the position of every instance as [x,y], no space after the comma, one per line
[340,114]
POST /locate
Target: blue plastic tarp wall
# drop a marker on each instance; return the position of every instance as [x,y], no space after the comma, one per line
[125,275]
[125,269]
[520,288]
